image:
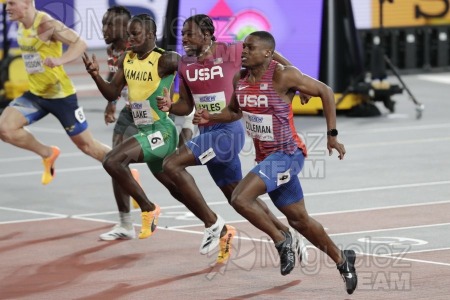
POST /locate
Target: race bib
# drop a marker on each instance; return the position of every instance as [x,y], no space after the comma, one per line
[213,102]
[113,69]
[33,63]
[284,177]
[207,156]
[258,126]
[79,115]
[156,140]
[142,113]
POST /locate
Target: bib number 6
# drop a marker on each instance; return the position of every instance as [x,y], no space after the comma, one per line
[156,140]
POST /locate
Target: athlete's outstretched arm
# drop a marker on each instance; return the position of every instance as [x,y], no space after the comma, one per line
[288,80]
[110,90]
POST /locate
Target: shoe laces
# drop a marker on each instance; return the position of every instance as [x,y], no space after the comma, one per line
[208,233]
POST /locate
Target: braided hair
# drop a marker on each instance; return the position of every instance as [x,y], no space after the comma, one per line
[204,22]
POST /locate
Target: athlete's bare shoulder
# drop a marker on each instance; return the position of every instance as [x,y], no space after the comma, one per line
[52,29]
[284,76]
[286,71]
[168,63]
[46,25]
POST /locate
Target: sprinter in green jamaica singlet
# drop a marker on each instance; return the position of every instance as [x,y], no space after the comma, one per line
[146,69]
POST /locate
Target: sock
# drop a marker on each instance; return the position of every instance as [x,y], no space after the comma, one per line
[125,220]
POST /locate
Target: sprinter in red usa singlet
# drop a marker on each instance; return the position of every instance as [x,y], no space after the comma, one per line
[263,94]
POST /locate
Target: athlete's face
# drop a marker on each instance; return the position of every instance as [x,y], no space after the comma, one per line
[193,40]
[16,9]
[140,40]
[114,27]
[255,52]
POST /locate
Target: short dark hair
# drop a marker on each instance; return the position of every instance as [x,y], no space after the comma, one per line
[266,37]
[120,10]
[147,21]
[204,22]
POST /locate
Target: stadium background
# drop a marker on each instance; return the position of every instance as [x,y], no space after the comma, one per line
[330,40]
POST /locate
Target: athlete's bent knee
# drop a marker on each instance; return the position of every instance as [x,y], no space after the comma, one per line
[110,164]
[302,224]
[5,135]
[169,166]
[6,132]
[238,203]
[107,165]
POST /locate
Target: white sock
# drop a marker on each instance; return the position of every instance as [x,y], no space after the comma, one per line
[125,220]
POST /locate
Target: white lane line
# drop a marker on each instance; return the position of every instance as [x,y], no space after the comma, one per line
[32,220]
[67,170]
[421,251]
[389,256]
[81,169]
[32,212]
[390,229]
[380,208]
[181,206]
[77,217]
[423,261]
[49,216]
[37,157]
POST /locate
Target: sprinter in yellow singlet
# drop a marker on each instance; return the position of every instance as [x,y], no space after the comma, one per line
[146,69]
[40,38]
